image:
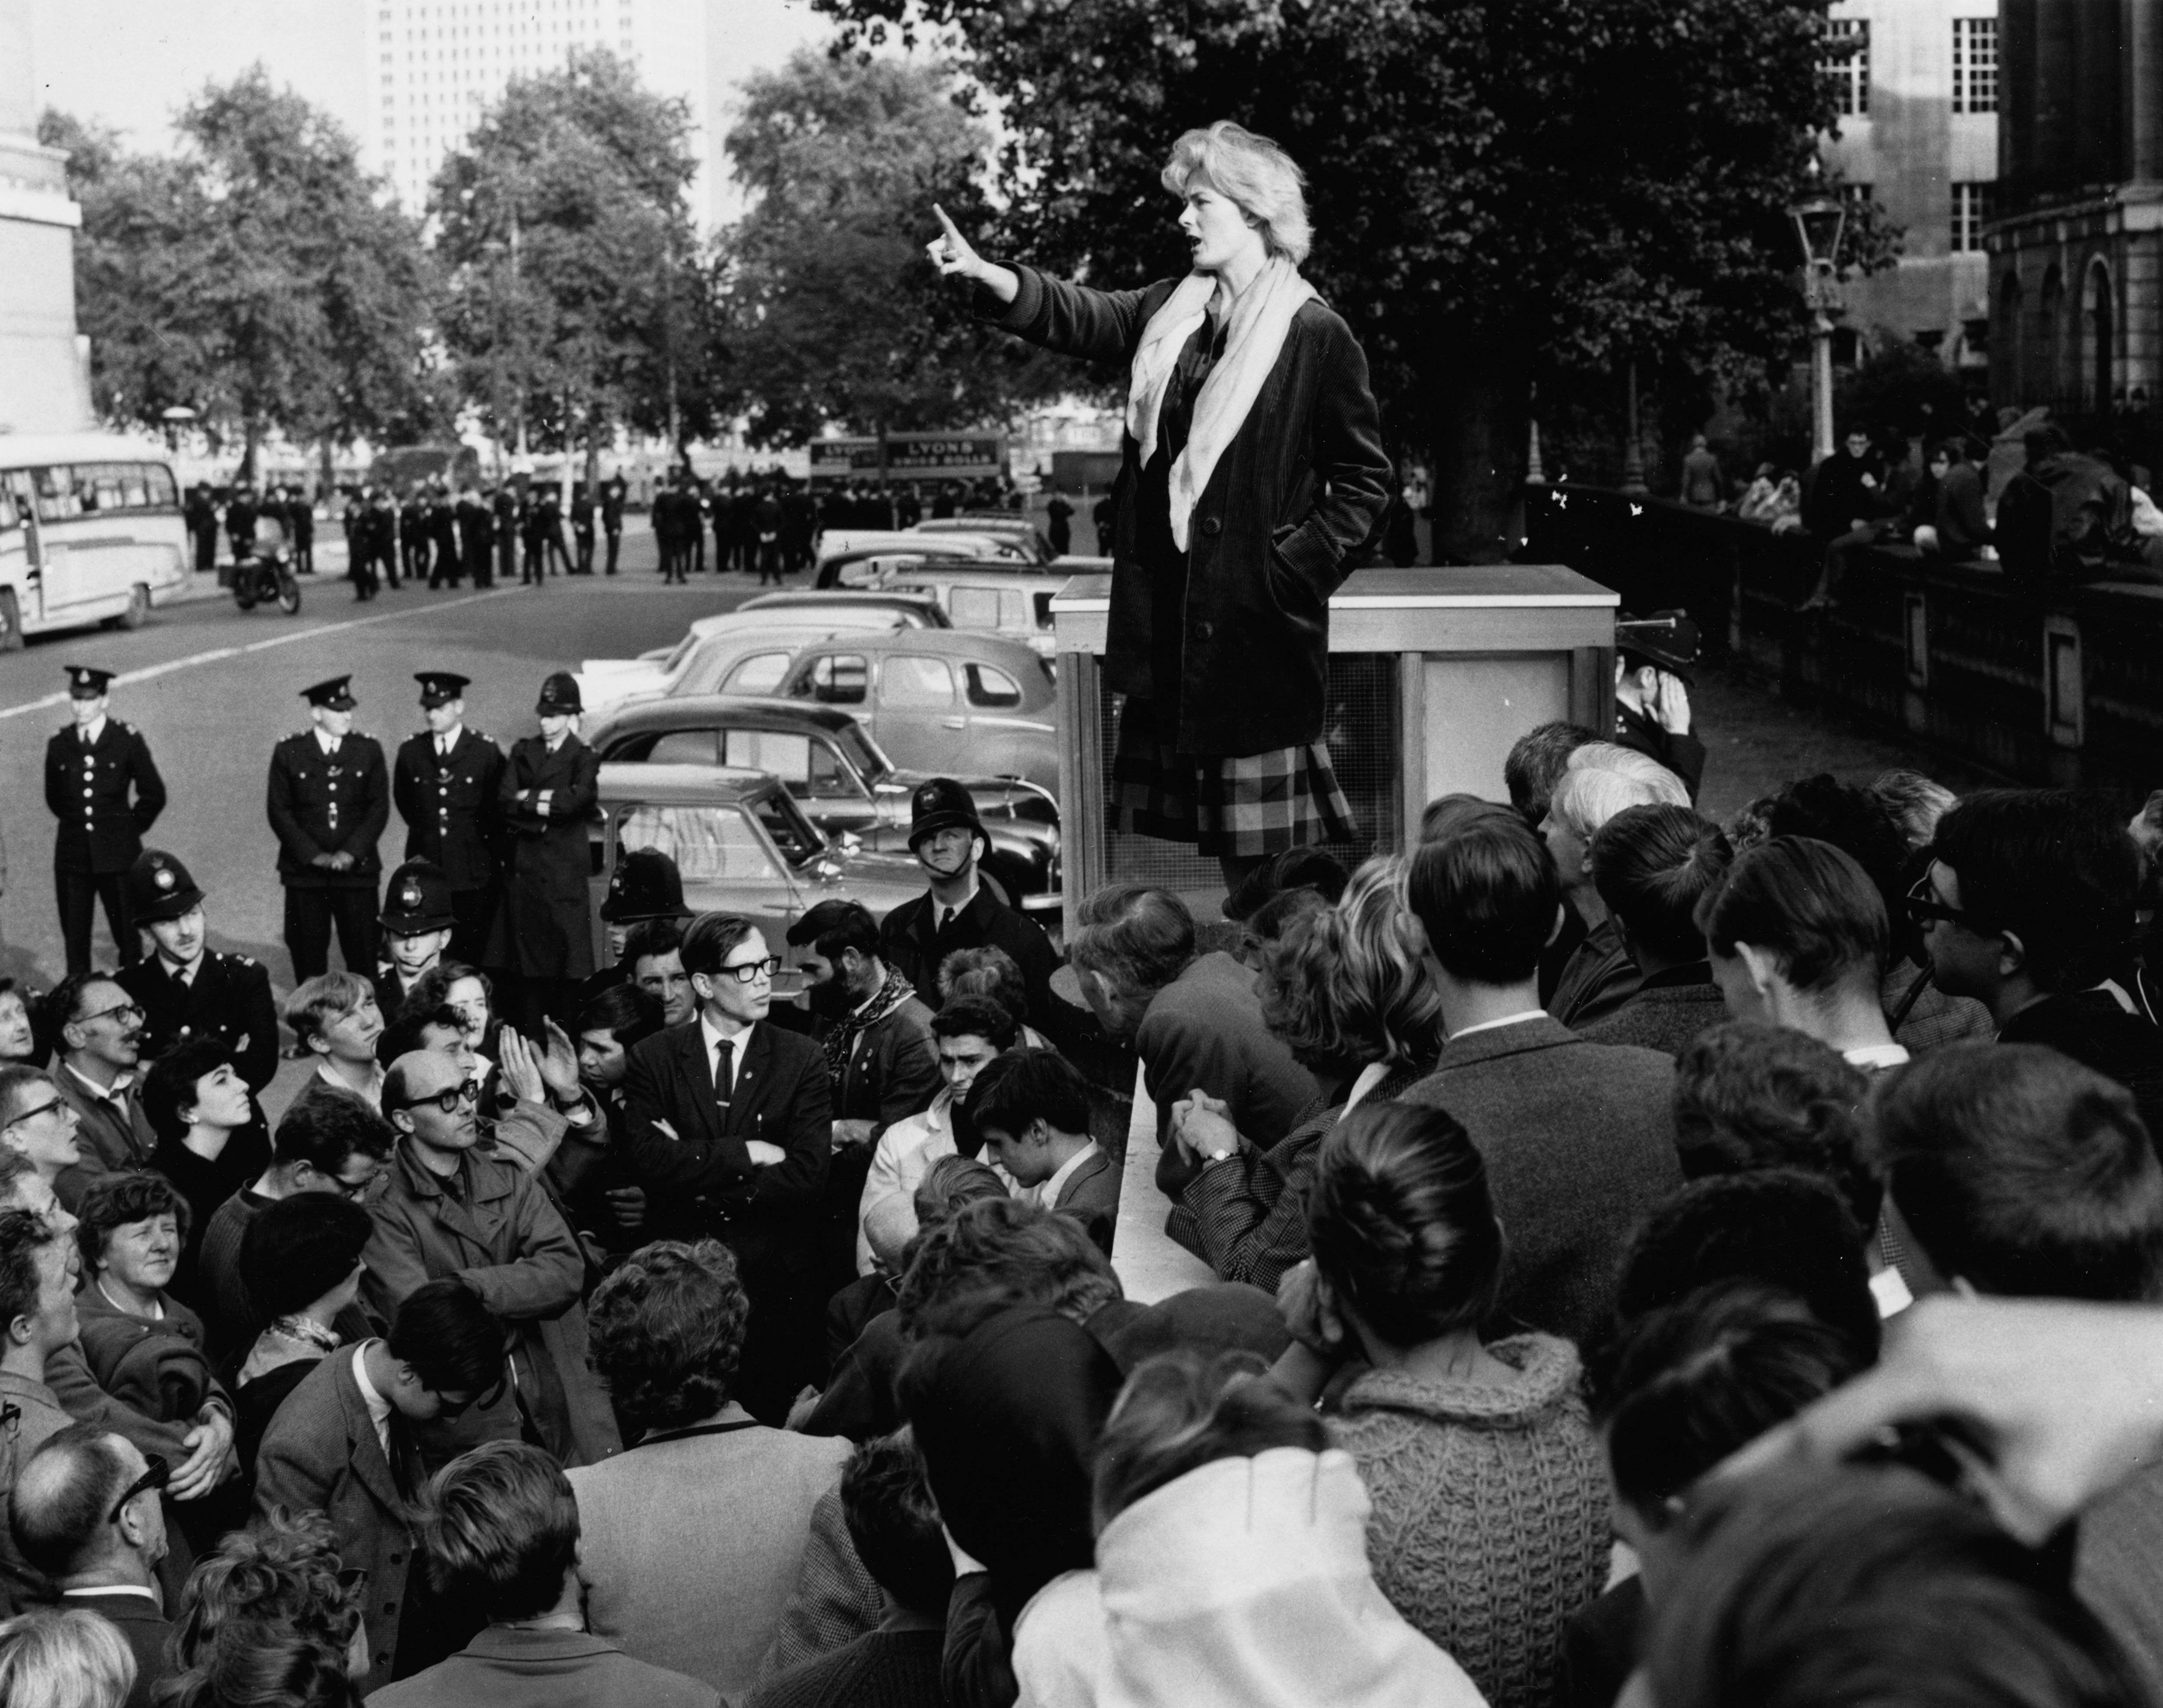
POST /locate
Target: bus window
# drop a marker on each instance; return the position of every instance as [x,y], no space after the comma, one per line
[7,509]
[56,493]
[160,490]
[134,494]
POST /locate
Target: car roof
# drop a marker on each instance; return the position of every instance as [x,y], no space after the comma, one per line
[682,784]
[768,617]
[843,598]
[751,708]
[971,643]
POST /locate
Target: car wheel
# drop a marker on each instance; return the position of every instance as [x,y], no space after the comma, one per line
[137,612]
[11,622]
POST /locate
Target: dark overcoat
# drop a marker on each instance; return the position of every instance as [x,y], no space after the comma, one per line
[88,789]
[1290,502]
[450,805]
[544,929]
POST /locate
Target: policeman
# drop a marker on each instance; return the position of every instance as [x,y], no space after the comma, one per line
[507,513]
[442,523]
[544,931]
[328,800]
[612,497]
[187,990]
[645,885]
[91,769]
[958,911]
[582,528]
[1653,659]
[417,926]
[444,783]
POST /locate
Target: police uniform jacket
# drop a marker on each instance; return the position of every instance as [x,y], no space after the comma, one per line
[443,526]
[544,929]
[911,939]
[88,787]
[450,805]
[1683,755]
[325,804]
[227,1000]
[383,529]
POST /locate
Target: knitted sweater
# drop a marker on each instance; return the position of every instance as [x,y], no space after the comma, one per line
[1490,1524]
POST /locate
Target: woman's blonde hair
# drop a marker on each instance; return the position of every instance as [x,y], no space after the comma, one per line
[1261,178]
[68,1658]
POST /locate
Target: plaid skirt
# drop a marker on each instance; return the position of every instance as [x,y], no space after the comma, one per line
[1255,804]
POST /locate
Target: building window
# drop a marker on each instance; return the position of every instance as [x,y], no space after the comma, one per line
[1973,205]
[1847,62]
[1974,65]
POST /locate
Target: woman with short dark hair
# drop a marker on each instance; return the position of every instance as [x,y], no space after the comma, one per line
[1239,517]
[212,1137]
[300,1262]
[1490,1523]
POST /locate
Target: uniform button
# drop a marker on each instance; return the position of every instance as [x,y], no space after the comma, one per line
[1212,527]
[1203,630]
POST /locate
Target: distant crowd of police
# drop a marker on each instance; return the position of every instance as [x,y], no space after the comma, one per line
[763,523]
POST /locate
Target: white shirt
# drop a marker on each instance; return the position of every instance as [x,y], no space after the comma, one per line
[940,909]
[1045,1193]
[1875,1058]
[329,743]
[372,1097]
[902,1158]
[91,731]
[1372,1075]
[449,740]
[1517,1019]
[116,1093]
[379,1408]
[148,1595]
[712,1035]
[186,973]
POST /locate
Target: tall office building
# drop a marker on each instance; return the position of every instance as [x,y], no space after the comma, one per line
[1915,83]
[433,66]
[44,386]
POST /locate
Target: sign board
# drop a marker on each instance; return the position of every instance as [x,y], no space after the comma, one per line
[911,457]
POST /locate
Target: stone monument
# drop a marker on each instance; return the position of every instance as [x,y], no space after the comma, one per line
[44,384]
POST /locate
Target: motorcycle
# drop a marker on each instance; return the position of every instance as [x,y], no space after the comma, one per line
[264,576]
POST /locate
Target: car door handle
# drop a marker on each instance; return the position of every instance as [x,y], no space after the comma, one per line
[955,723]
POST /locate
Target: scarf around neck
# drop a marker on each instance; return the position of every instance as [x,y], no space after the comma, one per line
[1261,318]
[842,1037]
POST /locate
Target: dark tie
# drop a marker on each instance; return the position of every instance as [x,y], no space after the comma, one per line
[725,1055]
[946,919]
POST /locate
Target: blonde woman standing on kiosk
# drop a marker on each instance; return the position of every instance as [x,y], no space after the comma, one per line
[1253,472]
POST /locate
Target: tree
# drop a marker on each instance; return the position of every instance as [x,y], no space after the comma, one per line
[253,277]
[1504,190]
[577,297]
[833,313]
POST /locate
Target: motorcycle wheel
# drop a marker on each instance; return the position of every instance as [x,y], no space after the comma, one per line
[243,592]
[289,593]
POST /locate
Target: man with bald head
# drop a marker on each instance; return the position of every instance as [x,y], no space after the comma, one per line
[450,1210]
[86,1512]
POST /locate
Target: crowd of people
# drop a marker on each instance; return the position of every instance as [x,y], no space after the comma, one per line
[711,1349]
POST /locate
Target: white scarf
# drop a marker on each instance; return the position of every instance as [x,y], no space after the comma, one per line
[1261,318]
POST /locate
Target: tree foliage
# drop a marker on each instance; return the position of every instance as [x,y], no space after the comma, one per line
[834,314]
[576,293]
[254,277]
[1504,190]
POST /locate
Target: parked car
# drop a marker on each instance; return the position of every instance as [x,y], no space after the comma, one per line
[939,700]
[862,568]
[1004,524]
[841,777]
[915,608]
[988,599]
[741,843]
[712,648]
[835,542]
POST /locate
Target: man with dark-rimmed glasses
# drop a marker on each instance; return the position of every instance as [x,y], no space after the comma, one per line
[86,1513]
[448,1210]
[98,1029]
[728,1128]
[2027,907]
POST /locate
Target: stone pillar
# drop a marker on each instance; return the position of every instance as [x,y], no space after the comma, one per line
[43,386]
[2141,31]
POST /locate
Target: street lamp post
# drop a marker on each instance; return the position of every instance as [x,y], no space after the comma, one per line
[1818,219]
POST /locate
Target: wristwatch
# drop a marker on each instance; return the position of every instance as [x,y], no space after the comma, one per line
[1211,1156]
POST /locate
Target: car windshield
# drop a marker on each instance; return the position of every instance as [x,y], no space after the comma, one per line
[863,753]
[709,844]
[792,832]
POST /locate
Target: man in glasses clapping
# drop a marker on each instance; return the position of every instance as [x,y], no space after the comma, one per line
[450,1211]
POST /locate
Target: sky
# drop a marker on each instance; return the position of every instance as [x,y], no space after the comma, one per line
[132,63]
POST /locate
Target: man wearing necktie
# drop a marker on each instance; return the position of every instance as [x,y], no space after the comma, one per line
[728,1126]
[445,783]
[91,768]
[328,800]
[187,990]
[97,1032]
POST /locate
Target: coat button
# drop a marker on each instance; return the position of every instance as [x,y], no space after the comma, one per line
[1212,527]
[1203,630]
